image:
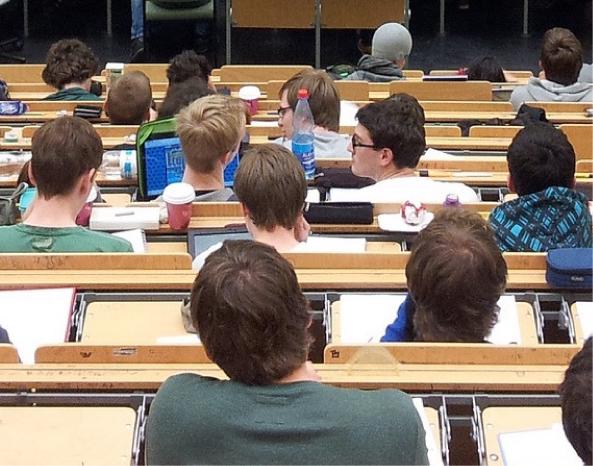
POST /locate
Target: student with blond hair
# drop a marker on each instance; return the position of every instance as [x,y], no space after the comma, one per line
[324,100]
[210,130]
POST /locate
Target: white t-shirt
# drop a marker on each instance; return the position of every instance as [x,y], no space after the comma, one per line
[406,188]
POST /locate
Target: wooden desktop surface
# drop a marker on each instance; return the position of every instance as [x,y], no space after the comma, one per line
[61,435]
[578,329]
[497,420]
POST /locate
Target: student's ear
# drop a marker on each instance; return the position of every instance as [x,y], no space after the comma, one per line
[574,182]
[386,157]
[226,158]
[106,107]
[511,184]
[245,210]
[31,177]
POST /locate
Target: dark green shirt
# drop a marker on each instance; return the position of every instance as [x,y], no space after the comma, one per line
[200,420]
[73,93]
[27,238]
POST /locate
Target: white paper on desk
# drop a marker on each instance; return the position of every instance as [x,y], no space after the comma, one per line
[34,318]
[135,237]
[395,222]
[187,339]
[507,330]
[434,154]
[541,447]
[585,313]
[332,244]
[125,218]
[312,195]
[433,453]
[364,318]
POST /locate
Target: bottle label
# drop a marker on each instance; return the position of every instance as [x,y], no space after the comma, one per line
[305,152]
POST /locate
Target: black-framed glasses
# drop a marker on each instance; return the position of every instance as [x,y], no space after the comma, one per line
[282,111]
[356,143]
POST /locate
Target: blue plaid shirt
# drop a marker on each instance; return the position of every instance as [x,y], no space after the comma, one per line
[554,218]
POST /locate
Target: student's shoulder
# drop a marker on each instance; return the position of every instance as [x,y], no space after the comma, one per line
[104,242]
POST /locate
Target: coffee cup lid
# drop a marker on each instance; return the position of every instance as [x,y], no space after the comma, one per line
[249,93]
[179,193]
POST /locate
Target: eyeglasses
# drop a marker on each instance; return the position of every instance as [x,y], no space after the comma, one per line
[282,111]
[356,143]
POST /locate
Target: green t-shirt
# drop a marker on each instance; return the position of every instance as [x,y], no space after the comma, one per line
[201,420]
[27,238]
[73,93]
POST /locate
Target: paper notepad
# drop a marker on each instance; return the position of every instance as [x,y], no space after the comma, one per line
[332,244]
[433,453]
[135,237]
[34,318]
[363,318]
[543,447]
[124,218]
[585,317]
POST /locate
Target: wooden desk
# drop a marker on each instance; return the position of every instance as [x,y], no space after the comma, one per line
[580,334]
[510,419]
[412,378]
[66,435]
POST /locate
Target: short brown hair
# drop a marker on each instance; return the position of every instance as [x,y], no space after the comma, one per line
[271,183]
[456,274]
[209,128]
[129,99]
[575,398]
[561,56]
[63,150]
[324,98]
[251,314]
[69,61]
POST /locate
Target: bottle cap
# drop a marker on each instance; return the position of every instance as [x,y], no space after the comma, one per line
[303,94]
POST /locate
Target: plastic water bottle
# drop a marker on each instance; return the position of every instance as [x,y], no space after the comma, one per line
[303,139]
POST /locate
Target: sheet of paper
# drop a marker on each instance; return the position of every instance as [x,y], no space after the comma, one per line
[35,317]
[364,318]
[506,330]
[434,154]
[312,195]
[433,453]
[544,447]
[136,237]
[585,317]
[332,244]
[395,222]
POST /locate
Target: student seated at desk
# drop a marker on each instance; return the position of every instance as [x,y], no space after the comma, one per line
[324,100]
[253,321]
[70,64]
[386,146]
[182,94]
[187,65]
[548,213]
[575,398]
[210,130]
[270,185]
[129,100]
[455,276]
[561,59]
[66,154]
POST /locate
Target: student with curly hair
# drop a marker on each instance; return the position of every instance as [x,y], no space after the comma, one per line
[70,64]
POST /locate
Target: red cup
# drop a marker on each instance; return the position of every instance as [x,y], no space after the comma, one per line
[250,96]
[179,198]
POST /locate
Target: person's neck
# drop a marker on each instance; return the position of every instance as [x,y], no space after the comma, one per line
[304,373]
[84,86]
[280,238]
[57,212]
[395,173]
[212,181]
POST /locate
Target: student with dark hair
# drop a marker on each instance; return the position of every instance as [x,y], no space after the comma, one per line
[188,64]
[324,100]
[485,69]
[66,154]
[129,99]
[548,213]
[253,321]
[561,60]
[70,64]
[182,94]
[575,398]
[386,146]
[453,253]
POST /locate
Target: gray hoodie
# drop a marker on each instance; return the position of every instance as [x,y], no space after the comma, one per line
[542,90]
[327,144]
[374,69]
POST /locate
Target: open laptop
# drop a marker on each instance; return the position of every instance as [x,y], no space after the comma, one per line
[200,240]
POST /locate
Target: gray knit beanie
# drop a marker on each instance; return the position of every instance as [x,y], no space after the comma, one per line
[392,41]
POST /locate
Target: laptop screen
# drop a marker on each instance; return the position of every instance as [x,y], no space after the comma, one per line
[200,240]
[164,164]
